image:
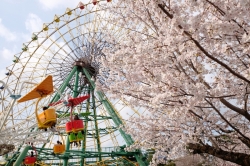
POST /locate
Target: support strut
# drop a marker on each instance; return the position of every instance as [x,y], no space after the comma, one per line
[128,139]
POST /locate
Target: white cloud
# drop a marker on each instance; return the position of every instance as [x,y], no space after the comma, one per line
[52,4]
[6,33]
[7,54]
[33,23]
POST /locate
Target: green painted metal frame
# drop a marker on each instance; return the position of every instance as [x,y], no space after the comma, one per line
[64,84]
[82,162]
[113,152]
[15,155]
[75,93]
[84,153]
[22,156]
[114,116]
[88,153]
[55,98]
[97,132]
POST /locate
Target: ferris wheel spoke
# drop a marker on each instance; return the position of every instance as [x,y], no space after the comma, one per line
[66,48]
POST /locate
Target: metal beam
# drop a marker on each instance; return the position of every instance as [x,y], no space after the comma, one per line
[75,93]
[61,90]
[88,153]
[64,85]
[5,116]
[128,139]
[22,156]
[85,131]
[97,132]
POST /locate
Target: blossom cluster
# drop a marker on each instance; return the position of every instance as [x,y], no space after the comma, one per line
[188,63]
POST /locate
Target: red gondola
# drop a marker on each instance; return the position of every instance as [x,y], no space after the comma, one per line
[69,127]
[78,125]
[81,5]
[94,2]
[30,160]
[75,125]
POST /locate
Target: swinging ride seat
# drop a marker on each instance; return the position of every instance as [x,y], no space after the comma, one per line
[75,127]
[47,118]
[72,137]
[29,160]
[59,148]
[75,137]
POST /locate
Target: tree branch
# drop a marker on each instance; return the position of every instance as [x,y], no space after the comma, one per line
[222,117]
[245,141]
[225,102]
[238,158]
[214,97]
[203,49]
[236,109]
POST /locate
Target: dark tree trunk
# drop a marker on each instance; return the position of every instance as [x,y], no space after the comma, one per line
[238,158]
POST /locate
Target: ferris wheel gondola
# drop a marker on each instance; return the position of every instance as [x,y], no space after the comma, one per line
[70,49]
[47,118]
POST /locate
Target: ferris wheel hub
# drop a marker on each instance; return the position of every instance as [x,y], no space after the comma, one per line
[82,64]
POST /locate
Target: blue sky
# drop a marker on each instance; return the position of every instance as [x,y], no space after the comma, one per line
[20,18]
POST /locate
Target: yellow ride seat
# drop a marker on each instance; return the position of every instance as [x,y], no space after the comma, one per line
[59,149]
[47,118]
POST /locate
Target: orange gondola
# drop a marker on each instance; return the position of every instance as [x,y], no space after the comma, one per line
[59,148]
[47,118]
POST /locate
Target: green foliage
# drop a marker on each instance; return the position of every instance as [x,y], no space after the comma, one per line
[170,163]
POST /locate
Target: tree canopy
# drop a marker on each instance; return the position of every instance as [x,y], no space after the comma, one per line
[187,62]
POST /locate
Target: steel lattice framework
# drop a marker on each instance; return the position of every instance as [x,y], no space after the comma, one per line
[70,48]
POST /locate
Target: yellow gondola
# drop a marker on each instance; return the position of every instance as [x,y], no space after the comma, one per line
[48,117]
[59,148]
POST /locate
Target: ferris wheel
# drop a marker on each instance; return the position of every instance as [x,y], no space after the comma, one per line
[61,64]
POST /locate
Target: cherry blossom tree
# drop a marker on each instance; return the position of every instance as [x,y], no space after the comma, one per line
[187,63]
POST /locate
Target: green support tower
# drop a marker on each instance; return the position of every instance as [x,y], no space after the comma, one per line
[71,49]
